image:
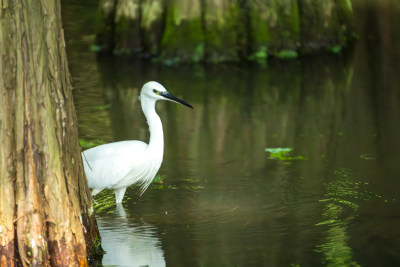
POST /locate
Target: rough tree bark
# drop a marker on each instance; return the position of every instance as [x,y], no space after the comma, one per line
[46,213]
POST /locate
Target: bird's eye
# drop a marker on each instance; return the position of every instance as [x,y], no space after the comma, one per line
[155,91]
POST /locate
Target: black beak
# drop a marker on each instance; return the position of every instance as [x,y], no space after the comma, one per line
[172,98]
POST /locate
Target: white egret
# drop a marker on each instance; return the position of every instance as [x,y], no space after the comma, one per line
[121,164]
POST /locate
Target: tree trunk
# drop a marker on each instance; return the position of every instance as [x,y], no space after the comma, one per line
[227,30]
[325,24]
[183,38]
[261,20]
[221,28]
[152,22]
[105,33]
[127,27]
[46,213]
[274,28]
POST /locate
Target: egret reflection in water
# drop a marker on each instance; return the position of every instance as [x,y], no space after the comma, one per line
[129,243]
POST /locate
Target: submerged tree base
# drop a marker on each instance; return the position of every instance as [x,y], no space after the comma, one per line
[216,31]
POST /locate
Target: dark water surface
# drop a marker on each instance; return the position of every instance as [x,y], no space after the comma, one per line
[333,200]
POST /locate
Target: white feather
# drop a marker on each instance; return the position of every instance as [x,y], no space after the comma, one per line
[121,164]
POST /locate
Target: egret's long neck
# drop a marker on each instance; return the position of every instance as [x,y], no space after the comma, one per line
[156,143]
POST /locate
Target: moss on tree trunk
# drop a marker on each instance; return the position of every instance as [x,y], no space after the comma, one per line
[183,38]
[261,20]
[46,213]
[127,27]
[152,25]
[325,24]
[229,30]
[221,29]
[106,32]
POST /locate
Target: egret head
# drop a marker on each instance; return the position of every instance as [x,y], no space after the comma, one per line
[155,91]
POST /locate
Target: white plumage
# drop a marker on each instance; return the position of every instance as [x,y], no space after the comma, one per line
[121,164]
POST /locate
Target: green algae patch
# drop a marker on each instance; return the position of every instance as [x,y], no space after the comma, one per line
[287,54]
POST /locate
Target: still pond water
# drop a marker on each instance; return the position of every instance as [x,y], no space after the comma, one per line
[329,197]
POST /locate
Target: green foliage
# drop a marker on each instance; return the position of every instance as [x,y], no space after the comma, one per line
[260,19]
[95,48]
[287,54]
[201,30]
[86,144]
[102,107]
[183,39]
[222,28]
[295,19]
[96,252]
[96,247]
[367,157]
[193,184]
[282,154]
[340,206]
[336,49]
[158,179]
[105,202]
[260,56]
[198,53]
[190,184]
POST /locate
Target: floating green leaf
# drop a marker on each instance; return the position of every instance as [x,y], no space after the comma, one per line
[282,154]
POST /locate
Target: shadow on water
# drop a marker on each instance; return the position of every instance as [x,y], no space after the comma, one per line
[326,191]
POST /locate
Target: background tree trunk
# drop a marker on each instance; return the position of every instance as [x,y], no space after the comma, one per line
[152,23]
[183,38]
[322,24]
[274,28]
[46,213]
[222,30]
[127,26]
[228,30]
[105,33]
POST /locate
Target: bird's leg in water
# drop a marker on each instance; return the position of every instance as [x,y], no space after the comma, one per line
[95,191]
[120,211]
[119,194]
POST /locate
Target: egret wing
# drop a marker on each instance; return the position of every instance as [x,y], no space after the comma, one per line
[107,165]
